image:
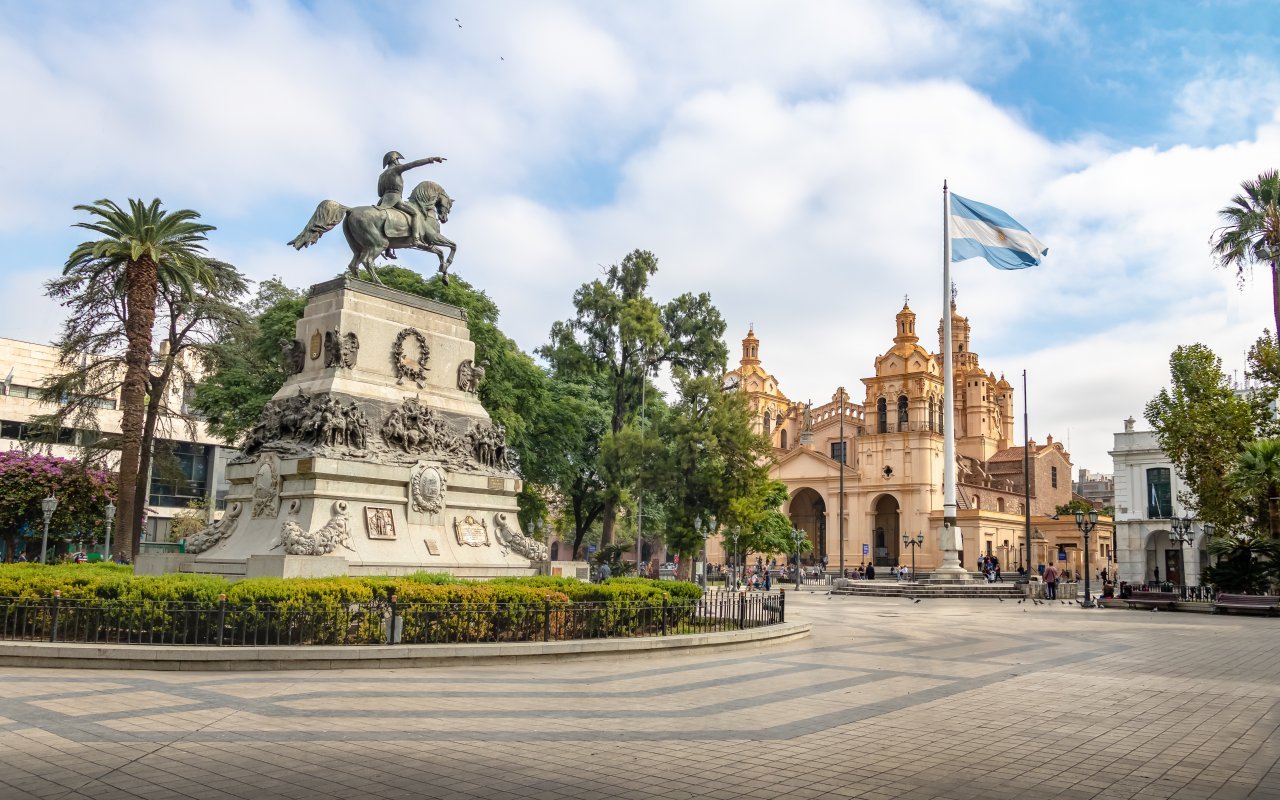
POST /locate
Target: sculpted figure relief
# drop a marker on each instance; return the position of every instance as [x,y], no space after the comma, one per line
[316,421]
[294,355]
[297,541]
[469,376]
[394,223]
[340,350]
[204,539]
[511,538]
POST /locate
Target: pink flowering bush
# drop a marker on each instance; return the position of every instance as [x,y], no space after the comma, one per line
[27,478]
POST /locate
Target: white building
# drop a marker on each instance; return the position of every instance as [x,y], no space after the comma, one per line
[195,466]
[1146,500]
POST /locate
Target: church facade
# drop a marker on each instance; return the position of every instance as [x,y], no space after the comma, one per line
[888,443]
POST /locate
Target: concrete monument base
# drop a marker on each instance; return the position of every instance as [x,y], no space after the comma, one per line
[375,457]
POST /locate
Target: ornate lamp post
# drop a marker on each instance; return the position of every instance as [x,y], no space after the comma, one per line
[48,506]
[731,537]
[110,518]
[1086,527]
[1184,534]
[913,543]
[797,536]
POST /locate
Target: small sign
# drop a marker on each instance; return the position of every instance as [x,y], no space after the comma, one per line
[1062,555]
[306,466]
[433,547]
[497,484]
[315,345]
[866,549]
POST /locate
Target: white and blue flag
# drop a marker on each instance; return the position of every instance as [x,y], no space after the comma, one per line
[982,231]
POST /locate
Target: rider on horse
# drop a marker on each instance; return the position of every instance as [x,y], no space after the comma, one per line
[391,191]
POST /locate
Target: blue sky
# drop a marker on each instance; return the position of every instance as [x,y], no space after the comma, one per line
[785,157]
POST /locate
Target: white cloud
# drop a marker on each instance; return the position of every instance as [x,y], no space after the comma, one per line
[788,158]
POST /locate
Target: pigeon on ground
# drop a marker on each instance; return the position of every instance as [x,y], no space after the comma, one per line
[1001,599]
[918,600]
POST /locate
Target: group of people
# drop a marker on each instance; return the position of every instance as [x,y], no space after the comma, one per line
[989,566]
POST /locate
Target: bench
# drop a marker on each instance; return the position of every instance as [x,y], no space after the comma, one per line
[1152,599]
[1247,602]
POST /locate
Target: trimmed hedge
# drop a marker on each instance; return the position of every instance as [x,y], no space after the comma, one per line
[341,610]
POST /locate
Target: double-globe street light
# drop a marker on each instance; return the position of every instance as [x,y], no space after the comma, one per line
[914,544]
[48,506]
[1086,527]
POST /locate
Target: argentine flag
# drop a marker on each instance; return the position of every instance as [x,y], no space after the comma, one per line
[982,231]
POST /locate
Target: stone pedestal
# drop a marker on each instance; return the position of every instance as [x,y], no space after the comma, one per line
[950,571]
[375,457]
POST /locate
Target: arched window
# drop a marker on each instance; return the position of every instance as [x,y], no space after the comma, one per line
[977,501]
[932,416]
[782,436]
[882,412]
[902,413]
[1000,504]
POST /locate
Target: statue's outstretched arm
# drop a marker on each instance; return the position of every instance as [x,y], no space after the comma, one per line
[422,162]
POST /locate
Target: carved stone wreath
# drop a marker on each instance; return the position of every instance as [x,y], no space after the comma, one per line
[405,369]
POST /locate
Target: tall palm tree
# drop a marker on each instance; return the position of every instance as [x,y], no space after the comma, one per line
[139,251]
[1257,472]
[1251,234]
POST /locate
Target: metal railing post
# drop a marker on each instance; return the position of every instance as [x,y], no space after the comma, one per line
[546,620]
[742,610]
[53,627]
[665,605]
[222,617]
[391,624]
[782,605]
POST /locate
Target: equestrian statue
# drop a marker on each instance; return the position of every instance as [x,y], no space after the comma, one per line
[395,223]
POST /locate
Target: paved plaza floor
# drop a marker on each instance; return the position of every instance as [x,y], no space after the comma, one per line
[887,699]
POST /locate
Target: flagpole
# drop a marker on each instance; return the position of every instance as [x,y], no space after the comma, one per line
[1026,473]
[951,570]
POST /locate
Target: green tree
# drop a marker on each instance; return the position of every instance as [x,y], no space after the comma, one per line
[712,465]
[1251,235]
[247,366]
[1248,561]
[620,335]
[1073,505]
[1203,426]
[141,252]
[1257,477]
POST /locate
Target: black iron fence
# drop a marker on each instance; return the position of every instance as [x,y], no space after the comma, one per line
[224,623]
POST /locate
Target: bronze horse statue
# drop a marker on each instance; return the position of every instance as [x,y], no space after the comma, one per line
[370,230]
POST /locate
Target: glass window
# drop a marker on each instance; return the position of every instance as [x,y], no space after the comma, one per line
[782,439]
[767,420]
[838,452]
[1159,494]
[902,413]
[1053,477]
[10,430]
[179,473]
[882,412]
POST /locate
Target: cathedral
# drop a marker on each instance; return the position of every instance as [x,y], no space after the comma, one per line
[886,447]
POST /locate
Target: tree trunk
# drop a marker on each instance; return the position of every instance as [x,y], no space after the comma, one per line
[140,316]
[1275,297]
[1273,510]
[142,491]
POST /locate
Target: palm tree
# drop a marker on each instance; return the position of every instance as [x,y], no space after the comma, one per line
[1252,233]
[141,249]
[1257,473]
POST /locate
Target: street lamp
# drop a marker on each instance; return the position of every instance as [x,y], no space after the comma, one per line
[704,527]
[111,517]
[1184,534]
[913,544]
[731,538]
[797,536]
[1086,527]
[48,506]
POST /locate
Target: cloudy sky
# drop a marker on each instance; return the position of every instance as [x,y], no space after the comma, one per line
[786,157]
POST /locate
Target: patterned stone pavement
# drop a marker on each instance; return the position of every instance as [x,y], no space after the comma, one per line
[887,699]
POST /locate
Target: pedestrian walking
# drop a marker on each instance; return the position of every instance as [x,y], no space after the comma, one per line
[1050,582]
